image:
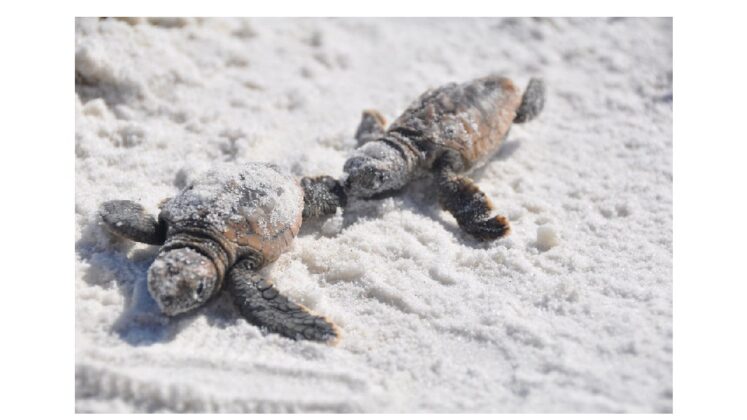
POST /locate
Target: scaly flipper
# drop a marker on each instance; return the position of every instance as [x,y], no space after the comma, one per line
[322,195]
[461,197]
[128,219]
[262,305]
[371,127]
[532,102]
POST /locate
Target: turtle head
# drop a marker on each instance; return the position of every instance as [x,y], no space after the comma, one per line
[376,167]
[181,279]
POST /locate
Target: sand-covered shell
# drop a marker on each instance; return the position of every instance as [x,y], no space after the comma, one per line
[254,205]
[472,118]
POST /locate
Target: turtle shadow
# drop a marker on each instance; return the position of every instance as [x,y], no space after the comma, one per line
[504,153]
[110,259]
[507,150]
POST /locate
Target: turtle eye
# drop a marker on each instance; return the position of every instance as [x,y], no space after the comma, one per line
[378,180]
[200,288]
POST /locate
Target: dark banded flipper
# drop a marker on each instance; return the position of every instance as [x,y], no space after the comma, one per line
[129,220]
[262,304]
[461,197]
[322,195]
[532,101]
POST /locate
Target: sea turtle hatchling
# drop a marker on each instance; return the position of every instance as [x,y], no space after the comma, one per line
[445,132]
[222,228]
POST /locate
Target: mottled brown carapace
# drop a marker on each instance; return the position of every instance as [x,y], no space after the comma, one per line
[471,118]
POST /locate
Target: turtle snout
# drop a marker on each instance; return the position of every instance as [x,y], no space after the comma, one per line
[180,280]
[365,181]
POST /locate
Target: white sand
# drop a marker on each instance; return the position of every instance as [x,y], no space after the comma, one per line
[572,312]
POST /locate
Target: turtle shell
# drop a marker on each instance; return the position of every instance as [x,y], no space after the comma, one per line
[256,207]
[472,118]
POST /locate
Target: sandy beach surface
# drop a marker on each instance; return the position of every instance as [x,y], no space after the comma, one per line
[570,313]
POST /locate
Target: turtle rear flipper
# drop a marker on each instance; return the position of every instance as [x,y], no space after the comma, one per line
[371,127]
[262,304]
[129,220]
[532,102]
[322,195]
[461,197]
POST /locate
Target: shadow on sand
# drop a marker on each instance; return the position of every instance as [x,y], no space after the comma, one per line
[141,322]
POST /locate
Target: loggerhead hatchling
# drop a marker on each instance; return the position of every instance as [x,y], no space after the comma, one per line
[223,228]
[445,132]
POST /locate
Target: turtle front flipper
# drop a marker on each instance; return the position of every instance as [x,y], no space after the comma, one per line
[322,195]
[532,102]
[261,304]
[129,220]
[371,127]
[461,197]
